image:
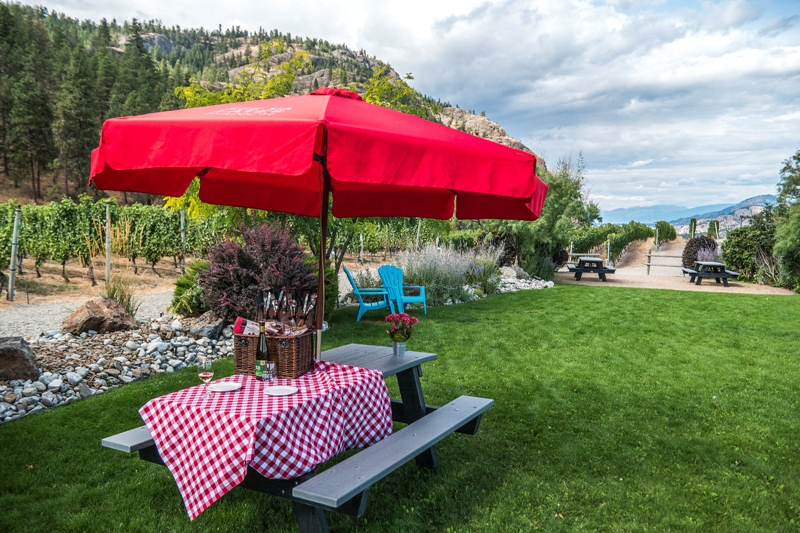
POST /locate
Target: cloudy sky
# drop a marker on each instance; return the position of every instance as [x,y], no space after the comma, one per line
[670,102]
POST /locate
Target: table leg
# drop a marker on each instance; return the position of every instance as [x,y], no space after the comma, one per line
[578,275]
[602,276]
[725,282]
[414,409]
[310,519]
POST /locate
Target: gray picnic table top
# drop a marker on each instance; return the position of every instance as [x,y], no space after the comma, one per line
[376,358]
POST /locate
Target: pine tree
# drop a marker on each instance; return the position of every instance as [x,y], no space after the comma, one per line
[106,78]
[76,123]
[31,135]
[137,74]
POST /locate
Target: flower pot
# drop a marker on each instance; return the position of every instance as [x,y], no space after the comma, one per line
[398,348]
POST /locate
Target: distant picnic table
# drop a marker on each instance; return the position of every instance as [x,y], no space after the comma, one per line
[590,264]
[710,269]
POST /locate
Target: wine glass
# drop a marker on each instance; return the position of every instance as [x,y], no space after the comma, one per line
[205,372]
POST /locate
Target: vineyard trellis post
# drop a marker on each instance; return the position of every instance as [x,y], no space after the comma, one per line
[183,242]
[108,243]
[608,250]
[657,246]
[14,245]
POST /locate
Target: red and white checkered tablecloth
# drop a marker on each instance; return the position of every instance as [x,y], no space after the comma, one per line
[208,443]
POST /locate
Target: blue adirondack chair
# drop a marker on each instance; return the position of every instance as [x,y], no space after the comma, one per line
[392,278]
[363,307]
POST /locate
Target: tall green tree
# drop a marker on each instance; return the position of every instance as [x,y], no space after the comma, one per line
[31,135]
[137,88]
[787,234]
[11,62]
[76,124]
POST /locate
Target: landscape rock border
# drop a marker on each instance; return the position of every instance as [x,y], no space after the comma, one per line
[76,367]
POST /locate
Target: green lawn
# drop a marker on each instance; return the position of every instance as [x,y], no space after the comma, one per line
[616,410]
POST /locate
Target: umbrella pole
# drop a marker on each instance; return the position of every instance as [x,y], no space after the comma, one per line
[323,223]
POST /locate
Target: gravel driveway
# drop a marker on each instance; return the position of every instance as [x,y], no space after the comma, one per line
[31,320]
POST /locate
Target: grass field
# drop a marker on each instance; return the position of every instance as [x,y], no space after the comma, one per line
[616,410]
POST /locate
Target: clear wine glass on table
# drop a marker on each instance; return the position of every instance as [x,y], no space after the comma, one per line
[205,372]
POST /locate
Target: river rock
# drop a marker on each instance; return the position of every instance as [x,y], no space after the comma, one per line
[84,391]
[55,385]
[98,314]
[208,325]
[177,326]
[508,273]
[74,378]
[17,360]
[132,346]
[49,399]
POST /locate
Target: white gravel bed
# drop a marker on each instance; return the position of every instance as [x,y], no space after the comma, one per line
[31,320]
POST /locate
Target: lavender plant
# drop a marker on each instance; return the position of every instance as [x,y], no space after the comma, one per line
[707,254]
[482,271]
[441,270]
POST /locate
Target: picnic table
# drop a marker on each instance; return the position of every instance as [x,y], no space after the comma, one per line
[709,269]
[343,488]
[590,264]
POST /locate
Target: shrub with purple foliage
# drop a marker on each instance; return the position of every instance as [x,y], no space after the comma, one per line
[693,246]
[269,259]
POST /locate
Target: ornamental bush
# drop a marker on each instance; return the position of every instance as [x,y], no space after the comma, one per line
[748,248]
[188,298]
[267,258]
[693,246]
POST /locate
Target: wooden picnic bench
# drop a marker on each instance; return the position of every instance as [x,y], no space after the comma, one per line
[344,487]
[710,270]
[590,264]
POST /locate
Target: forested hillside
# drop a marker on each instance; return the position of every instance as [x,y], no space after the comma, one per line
[60,78]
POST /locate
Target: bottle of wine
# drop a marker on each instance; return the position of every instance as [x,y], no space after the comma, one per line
[261,351]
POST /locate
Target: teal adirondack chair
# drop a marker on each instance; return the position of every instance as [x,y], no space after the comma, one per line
[363,307]
[392,278]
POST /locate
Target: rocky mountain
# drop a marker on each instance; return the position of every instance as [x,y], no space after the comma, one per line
[135,67]
[756,201]
[479,125]
[653,213]
[343,67]
[729,218]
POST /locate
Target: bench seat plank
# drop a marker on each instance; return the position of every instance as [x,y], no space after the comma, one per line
[356,474]
[130,441]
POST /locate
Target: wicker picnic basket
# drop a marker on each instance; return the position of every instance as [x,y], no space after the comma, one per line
[244,354]
[293,356]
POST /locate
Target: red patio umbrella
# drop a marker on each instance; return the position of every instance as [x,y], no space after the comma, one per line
[288,154]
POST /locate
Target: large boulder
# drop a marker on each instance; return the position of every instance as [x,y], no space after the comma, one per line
[17,360]
[99,314]
[208,325]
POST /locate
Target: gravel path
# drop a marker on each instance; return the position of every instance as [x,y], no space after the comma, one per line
[31,320]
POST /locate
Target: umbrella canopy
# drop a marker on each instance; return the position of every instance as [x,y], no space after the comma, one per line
[288,154]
